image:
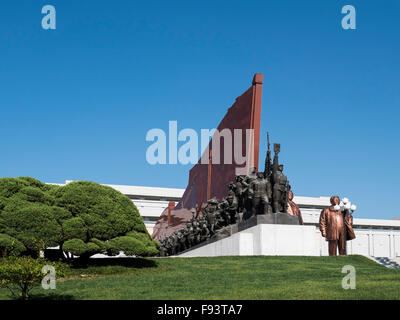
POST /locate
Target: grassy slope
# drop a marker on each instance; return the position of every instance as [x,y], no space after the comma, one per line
[255,277]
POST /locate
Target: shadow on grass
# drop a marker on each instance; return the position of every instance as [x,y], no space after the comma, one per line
[122,262]
[51,296]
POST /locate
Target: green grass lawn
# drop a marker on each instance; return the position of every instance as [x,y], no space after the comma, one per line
[254,277]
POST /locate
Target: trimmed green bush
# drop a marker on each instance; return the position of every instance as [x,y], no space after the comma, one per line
[10,246]
[83,218]
[129,245]
[101,214]
[79,248]
[75,228]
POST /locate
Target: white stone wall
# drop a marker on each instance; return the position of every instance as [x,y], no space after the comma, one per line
[263,239]
[376,243]
[292,240]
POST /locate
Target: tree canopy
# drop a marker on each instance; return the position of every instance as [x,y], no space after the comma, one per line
[82,218]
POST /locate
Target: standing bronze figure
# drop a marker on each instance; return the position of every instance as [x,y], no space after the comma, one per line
[240,193]
[293,209]
[233,203]
[260,193]
[280,184]
[336,227]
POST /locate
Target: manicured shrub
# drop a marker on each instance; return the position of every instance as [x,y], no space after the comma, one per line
[101,215]
[10,246]
[11,186]
[34,225]
[129,245]
[75,228]
[82,218]
[27,214]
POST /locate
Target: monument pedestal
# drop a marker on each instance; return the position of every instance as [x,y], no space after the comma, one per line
[271,218]
[271,234]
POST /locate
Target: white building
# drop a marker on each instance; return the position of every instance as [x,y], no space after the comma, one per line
[374,237]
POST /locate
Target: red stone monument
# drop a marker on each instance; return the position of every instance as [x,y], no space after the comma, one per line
[210,180]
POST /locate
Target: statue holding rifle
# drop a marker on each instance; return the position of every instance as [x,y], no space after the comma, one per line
[280,184]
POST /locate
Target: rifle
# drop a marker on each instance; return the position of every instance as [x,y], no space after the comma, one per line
[268,165]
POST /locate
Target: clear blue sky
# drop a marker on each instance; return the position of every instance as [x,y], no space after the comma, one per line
[76,102]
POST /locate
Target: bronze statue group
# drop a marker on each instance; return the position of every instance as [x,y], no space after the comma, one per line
[256,193]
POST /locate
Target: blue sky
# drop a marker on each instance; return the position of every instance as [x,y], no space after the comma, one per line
[76,102]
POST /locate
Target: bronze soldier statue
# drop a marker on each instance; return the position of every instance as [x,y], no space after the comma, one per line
[210,213]
[222,214]
[259,194]
[178,242]
[233,203]
[175,242]
[182,239]
[251,176]
[205,234]
[170,245]
[190,234]
[239,191]
[248,203]
[196,231]
[280,184]
[163,249]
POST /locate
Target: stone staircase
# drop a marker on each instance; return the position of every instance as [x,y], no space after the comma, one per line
[393,263]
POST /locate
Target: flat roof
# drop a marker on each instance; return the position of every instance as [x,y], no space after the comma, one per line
[142,191]
[176,194]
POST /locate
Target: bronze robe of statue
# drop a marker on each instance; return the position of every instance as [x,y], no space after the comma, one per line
[336,227]
[348,221]
[293,209]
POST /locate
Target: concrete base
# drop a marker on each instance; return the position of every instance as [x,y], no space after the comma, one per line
[263,239]
[271,218]
[228,231]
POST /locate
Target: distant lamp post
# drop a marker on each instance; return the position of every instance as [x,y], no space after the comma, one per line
[345,204]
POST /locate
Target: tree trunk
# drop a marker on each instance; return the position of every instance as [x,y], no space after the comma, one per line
[25,295]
